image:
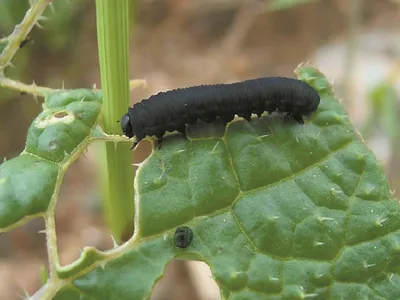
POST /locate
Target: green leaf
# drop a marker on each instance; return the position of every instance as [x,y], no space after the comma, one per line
[130,276]
[30,181]
[26,186]
[278,211]
[89,257]
[65,123]
[69,293]
[64,98]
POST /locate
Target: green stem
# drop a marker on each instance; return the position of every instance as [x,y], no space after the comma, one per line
[113,43]
[39,91]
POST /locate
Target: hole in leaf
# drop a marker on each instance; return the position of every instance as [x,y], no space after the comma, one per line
[186,280]
[141,152]
[61,114]
[79,216]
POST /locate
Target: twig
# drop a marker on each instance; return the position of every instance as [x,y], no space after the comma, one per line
[21,31]
[33,89]
[41,91]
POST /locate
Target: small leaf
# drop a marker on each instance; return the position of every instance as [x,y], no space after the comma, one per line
[26,186]
[130,276]
[63,98]
[28,182]
[67,120]
[89,257]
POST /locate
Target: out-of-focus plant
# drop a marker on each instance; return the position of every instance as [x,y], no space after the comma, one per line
[384,111]
[62,29]
[285,4]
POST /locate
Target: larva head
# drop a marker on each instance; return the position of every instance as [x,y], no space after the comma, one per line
[309,101]
[126,126]
[314,101]
[304,98]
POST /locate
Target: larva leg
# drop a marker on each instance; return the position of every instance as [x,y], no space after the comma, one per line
[298,119]
[209,118]
[182,130]
[159,142]
[246,116]
[134,145]
[139,136]
[226,118]
[159,136]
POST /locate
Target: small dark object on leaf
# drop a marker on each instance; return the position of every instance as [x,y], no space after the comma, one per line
[183,236]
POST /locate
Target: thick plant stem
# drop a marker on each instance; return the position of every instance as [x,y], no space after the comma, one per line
[113,44]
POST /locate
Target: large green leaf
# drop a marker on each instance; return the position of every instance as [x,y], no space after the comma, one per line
[278,211]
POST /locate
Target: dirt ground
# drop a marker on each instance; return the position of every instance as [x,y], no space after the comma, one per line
[179,43]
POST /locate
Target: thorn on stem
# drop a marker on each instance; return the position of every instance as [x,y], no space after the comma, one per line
[52,7]
[38,25]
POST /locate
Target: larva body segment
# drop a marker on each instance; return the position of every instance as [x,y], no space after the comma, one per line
[173,110]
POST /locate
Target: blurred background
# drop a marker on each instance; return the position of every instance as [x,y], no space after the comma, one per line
[178,43]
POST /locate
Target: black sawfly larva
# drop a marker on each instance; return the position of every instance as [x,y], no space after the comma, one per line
[173,110]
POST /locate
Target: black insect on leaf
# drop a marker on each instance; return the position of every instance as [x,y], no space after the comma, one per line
[183,237]
[173,110]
